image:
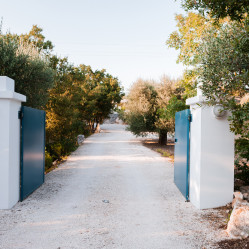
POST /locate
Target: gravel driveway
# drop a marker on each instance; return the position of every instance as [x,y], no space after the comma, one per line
[110,193]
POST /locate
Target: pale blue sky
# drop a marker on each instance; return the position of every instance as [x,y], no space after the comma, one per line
[126,37]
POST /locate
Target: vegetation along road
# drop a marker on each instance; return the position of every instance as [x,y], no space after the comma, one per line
[111,193]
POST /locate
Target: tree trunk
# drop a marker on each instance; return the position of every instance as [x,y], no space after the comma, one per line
[162,138]
[91,126]
[97,130]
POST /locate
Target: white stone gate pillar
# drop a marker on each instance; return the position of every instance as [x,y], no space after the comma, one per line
[10,104]
[211,156]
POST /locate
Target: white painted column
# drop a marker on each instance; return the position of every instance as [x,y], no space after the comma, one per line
[10,104]
[211,156]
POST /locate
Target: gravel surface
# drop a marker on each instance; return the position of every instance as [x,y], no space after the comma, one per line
[110,193]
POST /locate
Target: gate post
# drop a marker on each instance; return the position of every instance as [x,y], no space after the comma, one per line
[10,105]
[211,155]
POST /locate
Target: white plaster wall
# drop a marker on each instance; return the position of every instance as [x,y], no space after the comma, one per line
[10,104]
[211,158]
[9,153]
[4,152]
[14,166]
[217,161]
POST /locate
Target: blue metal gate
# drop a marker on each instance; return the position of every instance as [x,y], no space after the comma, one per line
[32,150]
[181,157]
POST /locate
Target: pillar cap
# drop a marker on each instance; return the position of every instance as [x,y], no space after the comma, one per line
[7,90]
[196,100]
[7,84]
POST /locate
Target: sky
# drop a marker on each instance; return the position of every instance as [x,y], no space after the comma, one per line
[125,37]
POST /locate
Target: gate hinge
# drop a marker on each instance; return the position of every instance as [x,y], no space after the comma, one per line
[20,115]
[190,117]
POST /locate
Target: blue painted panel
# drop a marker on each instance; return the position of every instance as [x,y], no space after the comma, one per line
[32,150]
[181,157]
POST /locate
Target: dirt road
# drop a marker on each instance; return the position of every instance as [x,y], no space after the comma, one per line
[111,193]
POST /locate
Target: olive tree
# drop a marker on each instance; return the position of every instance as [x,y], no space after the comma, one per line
[28,67]
[224,72]
[151,107]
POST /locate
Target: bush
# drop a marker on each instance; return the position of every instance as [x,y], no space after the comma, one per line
[74,98]
[242,160]
[30,70]
[48,161]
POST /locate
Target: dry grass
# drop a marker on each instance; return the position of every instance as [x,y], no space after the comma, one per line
[56,164]
[164,150]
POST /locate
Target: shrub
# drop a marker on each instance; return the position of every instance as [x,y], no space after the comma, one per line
[48,160]
[30,70]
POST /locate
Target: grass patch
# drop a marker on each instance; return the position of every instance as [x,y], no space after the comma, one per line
[164,150]
[164,153]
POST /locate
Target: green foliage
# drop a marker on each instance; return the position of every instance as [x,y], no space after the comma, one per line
[219,8]
[242,161]
[217,52]
[225,63]
[174,105]
[141,108]
[151,107]
[74,97]
[104,92]
[79,98]
[31,72]
[164,153]
[189,82]
[224,71]
[48,160]
[240,126]
[139,124]
[121,114]
[62,113]
[191,30]
[36,38]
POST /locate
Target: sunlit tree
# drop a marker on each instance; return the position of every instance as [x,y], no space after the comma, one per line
[151,107]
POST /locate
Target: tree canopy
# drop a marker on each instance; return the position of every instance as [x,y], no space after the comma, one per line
[216,52]
[151,107]
[219,9]
[191,30]
[31,71]
[74,97]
